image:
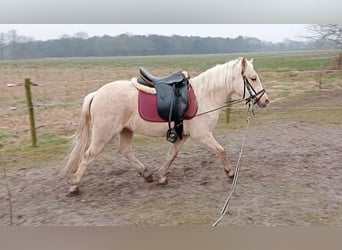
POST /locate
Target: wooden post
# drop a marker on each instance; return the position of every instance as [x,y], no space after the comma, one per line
[30,109]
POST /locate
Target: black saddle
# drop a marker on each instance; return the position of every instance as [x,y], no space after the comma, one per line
[172,99]
[148,79]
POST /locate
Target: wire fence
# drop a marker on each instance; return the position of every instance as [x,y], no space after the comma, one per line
[44,98]
[57,101]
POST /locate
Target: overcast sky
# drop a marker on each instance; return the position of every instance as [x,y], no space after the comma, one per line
[266,32]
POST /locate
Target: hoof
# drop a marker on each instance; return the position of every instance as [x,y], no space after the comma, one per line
[162,181]
[148,177]
[73,191]
[230,174]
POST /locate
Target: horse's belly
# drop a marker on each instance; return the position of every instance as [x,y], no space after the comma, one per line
[155,129]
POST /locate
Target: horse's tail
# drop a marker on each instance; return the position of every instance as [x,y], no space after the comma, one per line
[80,138]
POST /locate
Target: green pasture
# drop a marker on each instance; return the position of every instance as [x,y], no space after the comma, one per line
[271,61]
[286,76]
[271,65]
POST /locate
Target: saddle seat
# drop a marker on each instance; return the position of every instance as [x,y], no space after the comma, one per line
[148,79]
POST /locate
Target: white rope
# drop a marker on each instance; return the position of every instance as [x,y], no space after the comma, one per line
[237,170]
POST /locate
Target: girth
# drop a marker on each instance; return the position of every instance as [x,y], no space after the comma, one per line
[172,99]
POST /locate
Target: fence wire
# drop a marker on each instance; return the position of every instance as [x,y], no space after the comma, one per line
[47,97]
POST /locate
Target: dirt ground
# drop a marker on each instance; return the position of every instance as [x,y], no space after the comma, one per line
[291,174]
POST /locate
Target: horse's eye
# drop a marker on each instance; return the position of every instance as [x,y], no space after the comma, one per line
[253,78]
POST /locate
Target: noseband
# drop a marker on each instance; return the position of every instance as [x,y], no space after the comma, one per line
[253,95]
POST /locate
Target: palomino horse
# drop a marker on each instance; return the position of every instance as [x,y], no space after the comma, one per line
[113,110]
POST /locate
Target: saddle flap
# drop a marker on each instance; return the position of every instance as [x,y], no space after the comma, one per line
[172,102]
[165,99]
[147,106]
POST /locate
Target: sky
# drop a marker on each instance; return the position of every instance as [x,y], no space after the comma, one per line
[265,32]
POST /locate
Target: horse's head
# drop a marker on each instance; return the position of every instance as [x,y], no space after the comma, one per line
[249,86]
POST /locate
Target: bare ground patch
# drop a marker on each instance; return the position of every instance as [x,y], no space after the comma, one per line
[291,174]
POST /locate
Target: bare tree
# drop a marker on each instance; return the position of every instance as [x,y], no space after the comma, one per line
[81,35]
[323,33]
[2,45]
[12,37]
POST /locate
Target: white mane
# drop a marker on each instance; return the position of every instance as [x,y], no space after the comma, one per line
[219,77]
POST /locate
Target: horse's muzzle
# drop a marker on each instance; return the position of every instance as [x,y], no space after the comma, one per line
[263,102]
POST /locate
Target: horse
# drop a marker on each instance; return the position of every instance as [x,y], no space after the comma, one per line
[112,111]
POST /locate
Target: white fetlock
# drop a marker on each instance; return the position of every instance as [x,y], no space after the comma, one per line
[162,180]
[74,189]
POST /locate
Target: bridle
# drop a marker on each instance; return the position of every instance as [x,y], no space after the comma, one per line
[254,96]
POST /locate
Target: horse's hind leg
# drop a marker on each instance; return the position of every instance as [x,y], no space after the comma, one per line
[98,141]
[126,140]
[95,148]
[173,151]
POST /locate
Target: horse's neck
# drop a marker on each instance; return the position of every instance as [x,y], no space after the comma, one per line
[212,87]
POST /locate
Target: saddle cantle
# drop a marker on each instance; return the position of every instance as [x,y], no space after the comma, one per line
[172,94]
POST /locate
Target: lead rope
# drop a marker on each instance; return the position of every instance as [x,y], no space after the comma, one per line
[250,112]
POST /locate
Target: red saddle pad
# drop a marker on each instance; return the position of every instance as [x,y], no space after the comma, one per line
[147,106]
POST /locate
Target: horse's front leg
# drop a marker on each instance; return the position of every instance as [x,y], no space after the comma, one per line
[209,140]
[173,151]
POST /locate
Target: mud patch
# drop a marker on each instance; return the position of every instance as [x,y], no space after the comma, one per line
[291,174]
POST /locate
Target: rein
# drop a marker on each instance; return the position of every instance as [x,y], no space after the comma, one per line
[228,104]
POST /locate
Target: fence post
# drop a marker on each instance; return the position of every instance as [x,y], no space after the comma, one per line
[30,109]
[320,75]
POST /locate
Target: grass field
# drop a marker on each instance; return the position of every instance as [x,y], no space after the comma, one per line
[64,83]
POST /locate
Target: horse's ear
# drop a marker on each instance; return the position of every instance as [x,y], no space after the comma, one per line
[251,61]
[244,64]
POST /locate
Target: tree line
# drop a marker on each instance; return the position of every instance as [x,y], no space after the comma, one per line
[13,46]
